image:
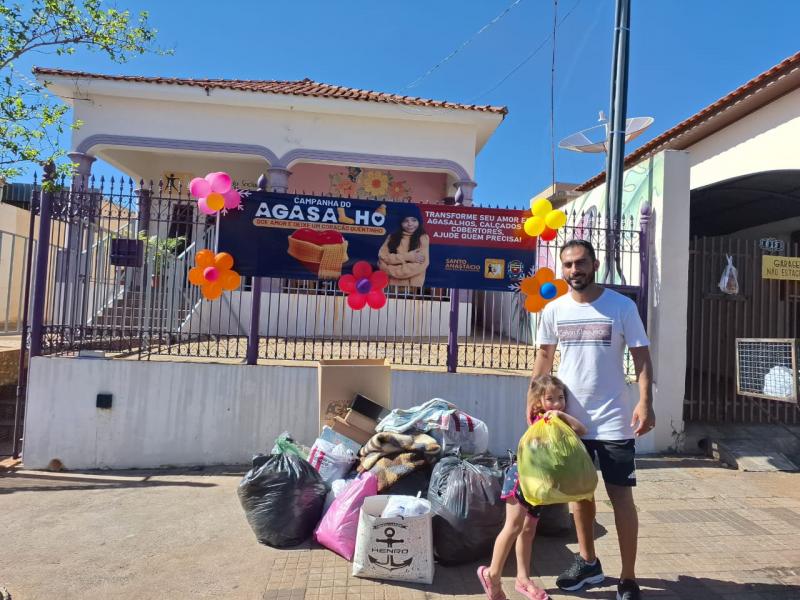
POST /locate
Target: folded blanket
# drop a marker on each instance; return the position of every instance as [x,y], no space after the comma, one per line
[417,418]
[392,456]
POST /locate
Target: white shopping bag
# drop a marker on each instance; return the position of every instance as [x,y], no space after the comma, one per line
[397,549]
[332,461]
[462,431]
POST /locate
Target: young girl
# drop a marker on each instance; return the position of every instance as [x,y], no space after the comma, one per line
[546,398]
[404,255]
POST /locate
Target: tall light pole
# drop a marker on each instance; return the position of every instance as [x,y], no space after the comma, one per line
[616,135]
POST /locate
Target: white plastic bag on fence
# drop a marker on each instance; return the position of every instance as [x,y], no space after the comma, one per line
[778,382]
[397,549]
[332,461]
[729,282]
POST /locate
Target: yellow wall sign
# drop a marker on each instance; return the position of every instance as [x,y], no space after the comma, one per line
[780,267]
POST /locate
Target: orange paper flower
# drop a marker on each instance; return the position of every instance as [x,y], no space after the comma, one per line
[214,274]
[542,288]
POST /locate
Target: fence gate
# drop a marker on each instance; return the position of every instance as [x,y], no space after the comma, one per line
[763,308]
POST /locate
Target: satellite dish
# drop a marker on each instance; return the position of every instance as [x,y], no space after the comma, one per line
[595,139]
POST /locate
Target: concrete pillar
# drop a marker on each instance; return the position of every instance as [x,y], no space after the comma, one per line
[464,189]
[83,169]
[668,292]
[278,179]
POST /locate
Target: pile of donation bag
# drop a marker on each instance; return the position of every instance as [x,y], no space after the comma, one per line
[390,491]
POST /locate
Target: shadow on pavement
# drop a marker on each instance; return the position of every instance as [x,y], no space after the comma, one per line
[29,481]
[702,588]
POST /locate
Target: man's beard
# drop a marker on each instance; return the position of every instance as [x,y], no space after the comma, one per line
[584,282]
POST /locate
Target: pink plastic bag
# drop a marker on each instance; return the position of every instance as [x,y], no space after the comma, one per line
[338,528]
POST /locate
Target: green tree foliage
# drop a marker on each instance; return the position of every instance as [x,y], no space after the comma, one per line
[31,120]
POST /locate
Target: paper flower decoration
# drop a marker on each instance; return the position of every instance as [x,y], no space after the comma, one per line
[364,286]
[214,193]
[545,221]
[214,274]
[542,288]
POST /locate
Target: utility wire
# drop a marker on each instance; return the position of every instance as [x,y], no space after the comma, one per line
[494,21]
[525,60]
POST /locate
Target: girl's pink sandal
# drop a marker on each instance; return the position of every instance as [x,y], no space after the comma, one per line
[491,593]
[531,592]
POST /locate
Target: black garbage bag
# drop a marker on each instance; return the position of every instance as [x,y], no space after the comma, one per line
[467,510]
[282,497]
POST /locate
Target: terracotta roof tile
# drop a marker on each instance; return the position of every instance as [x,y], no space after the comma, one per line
[304,87]
[670,138]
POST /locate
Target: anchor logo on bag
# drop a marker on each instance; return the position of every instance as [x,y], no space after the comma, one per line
[389,563]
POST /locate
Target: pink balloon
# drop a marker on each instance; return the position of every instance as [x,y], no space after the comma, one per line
[220,182]
[211,273]
[199,187]
[356,301]
[232,199]
[204,207]
[376,299]
[347,283]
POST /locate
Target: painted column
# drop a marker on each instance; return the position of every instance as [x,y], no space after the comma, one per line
[278,179]
[81,205]
[464,189]
[255,304]
[82,170]
[144,207]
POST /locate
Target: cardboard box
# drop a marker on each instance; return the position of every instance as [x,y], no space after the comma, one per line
[354,433]
[359,421]
[340,381]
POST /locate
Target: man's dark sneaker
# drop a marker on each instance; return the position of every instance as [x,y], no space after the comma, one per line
[580,574]
[628,589]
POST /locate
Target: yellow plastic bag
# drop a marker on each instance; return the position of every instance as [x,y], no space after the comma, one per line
[553,464]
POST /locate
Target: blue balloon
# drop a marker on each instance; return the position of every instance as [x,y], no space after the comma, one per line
[548,291]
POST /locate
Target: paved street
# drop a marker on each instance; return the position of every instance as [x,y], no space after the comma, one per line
[708,533]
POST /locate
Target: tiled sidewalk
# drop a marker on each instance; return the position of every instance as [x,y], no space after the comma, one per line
[707,533]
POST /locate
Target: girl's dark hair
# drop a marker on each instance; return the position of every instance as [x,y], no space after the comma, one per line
[538,388]
[413,243]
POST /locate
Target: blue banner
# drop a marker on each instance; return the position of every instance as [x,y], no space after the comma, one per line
[416,245]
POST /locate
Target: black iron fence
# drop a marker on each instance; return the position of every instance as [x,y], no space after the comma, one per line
[113,278]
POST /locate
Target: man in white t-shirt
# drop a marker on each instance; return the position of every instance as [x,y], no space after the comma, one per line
[592,326]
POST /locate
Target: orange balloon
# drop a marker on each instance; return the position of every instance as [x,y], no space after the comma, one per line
[196,276]
[230,280]
[529,286]
[204,258]
[544,274]
[561,287]
[215,201]
[223,261]
[212,291]
[534,303]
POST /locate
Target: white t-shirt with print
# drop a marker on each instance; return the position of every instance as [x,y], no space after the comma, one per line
[592,339]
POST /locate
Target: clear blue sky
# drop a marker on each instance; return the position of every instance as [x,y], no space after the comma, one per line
[685,54]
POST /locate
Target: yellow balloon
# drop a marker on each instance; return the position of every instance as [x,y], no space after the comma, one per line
[534,226]
[555,219]
[215,201]
[541,207]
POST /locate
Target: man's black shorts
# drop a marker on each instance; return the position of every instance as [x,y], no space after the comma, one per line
[616,460]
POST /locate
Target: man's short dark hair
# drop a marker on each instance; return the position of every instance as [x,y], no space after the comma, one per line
[580,244]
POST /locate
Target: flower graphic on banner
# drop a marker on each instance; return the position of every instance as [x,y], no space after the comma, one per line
[213,274]
[374,183]
[542,288]
[364,286]
[398,190]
